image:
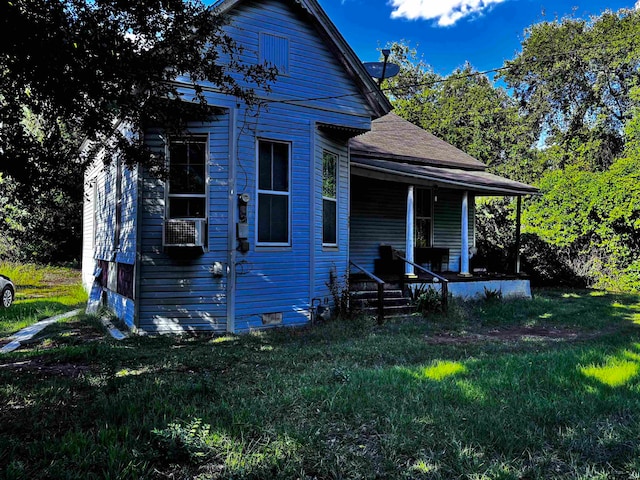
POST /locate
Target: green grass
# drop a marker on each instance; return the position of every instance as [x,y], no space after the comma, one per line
[41,292]
[341,400]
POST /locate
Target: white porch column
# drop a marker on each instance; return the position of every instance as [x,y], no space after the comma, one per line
[464,258]
[409,270]
[518,223]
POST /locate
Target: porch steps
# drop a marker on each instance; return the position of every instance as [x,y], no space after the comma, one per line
[364,296]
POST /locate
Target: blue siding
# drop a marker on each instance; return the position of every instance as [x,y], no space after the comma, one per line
[275,279]
[99,232]
[122,307]
[106,214]
[180,294]
[313,69]
[330,259]
[378,215]
[126,252]
[283,280]
[106,246]
[447,223]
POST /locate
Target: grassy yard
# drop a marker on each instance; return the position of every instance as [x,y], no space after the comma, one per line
[547,388]
[41,292]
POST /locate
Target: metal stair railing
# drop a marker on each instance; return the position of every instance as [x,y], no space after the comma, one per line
[444,289]
[380,284]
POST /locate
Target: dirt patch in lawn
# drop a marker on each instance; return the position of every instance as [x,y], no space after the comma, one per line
[62,277]
[45,369]
[512,334]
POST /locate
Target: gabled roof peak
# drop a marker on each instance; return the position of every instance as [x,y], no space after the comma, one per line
[369,89]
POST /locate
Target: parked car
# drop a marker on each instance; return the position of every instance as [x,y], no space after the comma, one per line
[7,292]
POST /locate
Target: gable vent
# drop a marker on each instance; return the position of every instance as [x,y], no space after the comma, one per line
[184,233]
[274,50]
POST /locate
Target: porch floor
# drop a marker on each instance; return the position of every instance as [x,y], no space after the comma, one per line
[453,277]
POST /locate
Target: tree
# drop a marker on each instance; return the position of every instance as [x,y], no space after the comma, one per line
[577,81]
[72,69]
[573,78]
[467,110]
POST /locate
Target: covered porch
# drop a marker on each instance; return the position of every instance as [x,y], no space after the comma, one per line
[412,217]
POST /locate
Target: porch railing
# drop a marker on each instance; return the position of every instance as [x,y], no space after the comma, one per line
[380,284]
[444,289]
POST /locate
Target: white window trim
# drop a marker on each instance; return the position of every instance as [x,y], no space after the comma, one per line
[337,157]
[273,192]
[196,137]
[94,216]
[430,217]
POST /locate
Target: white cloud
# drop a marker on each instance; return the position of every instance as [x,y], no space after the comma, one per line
[637,7]
[446,12]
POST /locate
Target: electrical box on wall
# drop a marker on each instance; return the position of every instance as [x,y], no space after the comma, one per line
[242,230]
[242,227]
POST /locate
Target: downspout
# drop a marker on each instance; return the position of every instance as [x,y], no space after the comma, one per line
[312,217]
[231,218]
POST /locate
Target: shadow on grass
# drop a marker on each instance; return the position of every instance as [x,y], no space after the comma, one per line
[339,400]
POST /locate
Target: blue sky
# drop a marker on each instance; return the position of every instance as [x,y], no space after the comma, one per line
[449,32]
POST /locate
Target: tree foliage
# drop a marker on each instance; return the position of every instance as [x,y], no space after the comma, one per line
[578,80]
[467,110]
[569,124]
[573,79]
[73,69]
[82,66]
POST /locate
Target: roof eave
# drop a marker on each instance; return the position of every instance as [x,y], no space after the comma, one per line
[482,189]
[355,153]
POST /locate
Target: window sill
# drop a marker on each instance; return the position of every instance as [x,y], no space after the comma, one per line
[274,248]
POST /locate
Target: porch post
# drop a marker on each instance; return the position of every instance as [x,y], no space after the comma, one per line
[409,271]
[464,258]
[518,217]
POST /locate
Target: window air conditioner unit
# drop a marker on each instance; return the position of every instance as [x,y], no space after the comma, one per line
[184,233]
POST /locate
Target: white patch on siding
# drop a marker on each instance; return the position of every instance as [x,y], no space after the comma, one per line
[272,318]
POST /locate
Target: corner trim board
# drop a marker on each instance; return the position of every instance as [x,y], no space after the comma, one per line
[231,216]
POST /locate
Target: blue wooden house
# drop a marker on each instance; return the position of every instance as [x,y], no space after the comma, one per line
[252,225]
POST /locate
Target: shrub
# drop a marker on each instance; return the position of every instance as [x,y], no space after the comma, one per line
[341,296]
[179,443]
[428,301]
[492,295]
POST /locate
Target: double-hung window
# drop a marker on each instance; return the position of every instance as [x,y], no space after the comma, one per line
[187,186]
[329,198]
[274,193]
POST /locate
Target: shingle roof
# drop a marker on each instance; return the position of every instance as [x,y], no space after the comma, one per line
[393,138]
[397,150]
